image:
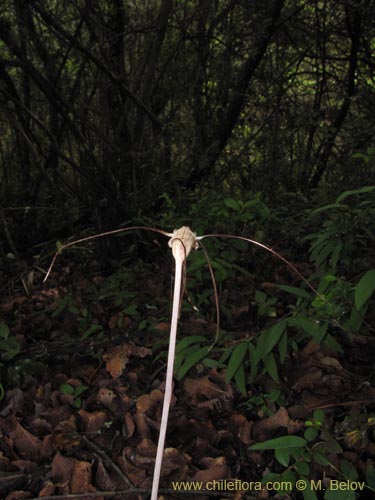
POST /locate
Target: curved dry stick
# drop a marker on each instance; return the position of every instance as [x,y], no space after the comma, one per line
[100,235]
[216,295]
[269,249]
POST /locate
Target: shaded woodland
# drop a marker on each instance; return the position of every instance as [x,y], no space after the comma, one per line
[251,118]
[108,107]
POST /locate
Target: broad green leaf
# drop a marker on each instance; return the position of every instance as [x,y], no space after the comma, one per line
[271,367]
[224,262]
[269,338]
[239,378]
[360,156]
[260,297]
[324,253]
[271,477]
[364,289]
[330,277]
[282,455]
[311,433]
[370,475]
[213,363]
[327,207]
[191,361]
[330,445]
[228,351]
[4,331]
[287,477]
[92,329]
[236,359]
[345,194]
[66,389]
[73,309]
[309,494]
[181,356]
[332,343]
[131,310]
[77,402]
[279,443]
[232,203]
[337,494]
[348,469]
[320,458]
[319,416]
[283,344]
[295,291]
[355,321]
[80,390]
[309,326]
[336,253]
[11,346]
[186,341]
[197,260]
[302,468]
[253,362]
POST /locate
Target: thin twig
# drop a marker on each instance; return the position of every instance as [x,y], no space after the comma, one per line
[139,491]
[107,460]
[271,250]
[100,235]
[216,295]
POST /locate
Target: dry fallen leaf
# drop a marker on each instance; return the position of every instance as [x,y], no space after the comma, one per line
[308,380]
[117,358]
[103,479]
[135,474]
[65,435]
[93,421]
[81,477]
[241,427]
[18,495]
[173,460]
[263,428]
[62,467]
[216,469]
[26,444]
[206,388]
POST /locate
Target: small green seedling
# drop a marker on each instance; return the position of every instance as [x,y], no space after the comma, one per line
[76,392]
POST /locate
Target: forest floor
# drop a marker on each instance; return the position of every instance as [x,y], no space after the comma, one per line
[83,369]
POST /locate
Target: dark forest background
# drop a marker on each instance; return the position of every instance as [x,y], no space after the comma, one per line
[112,112]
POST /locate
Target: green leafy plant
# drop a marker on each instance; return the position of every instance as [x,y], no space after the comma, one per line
[348,228]
[265,304]
[339,305]
[265,403]
[297,454]
[189,351]
[76,392]
[9,345]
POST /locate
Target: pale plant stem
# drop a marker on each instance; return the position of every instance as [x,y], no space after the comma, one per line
[179,261]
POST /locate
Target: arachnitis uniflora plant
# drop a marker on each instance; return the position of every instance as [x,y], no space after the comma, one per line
[182,241]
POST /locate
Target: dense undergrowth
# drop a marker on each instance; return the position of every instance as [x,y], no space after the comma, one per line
[291,368]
